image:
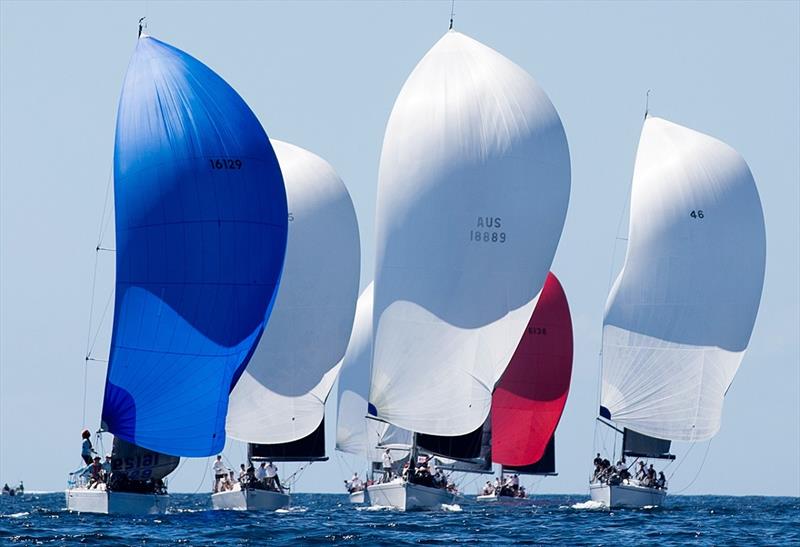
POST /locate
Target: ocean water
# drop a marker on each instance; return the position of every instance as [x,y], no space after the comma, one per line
[326,519]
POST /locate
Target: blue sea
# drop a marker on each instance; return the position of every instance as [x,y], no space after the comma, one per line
[327,519]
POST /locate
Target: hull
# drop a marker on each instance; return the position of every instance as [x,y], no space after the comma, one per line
[83,500]
[405,496]
[250,500]
[358,497]
[626,495]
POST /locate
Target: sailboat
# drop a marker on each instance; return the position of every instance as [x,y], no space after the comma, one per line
[355,433]
[680,315]
[200,213]
[473,188]
[278,405]
[529,400]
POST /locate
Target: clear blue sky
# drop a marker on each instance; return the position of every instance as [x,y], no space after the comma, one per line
[324,76]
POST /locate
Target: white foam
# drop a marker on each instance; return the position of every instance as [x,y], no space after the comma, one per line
[589,504]
[292,510]
[16,515]
[455,508]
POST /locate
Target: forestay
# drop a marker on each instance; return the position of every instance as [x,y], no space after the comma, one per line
[201,236]
[355,434]
[681,311]
[530,397]
[281,396]
[473,189]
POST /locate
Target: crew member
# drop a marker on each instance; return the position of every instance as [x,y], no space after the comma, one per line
[220,472]
[86,447]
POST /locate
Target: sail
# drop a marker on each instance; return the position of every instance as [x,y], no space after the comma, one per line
[680,314]
[201,235]
[546,465]
[468,453]
[530,397]
[354,433]
[140,464]
[473,189]
[281,396]
[643,446]
[311,447]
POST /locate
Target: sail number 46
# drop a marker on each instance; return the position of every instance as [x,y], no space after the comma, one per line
[225,163]
[697,214]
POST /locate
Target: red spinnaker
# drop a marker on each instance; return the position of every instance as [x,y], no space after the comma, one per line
[530,397]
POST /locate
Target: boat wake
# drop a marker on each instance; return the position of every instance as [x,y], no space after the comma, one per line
[454,508]
[292,510]
[589,504]
[376,508]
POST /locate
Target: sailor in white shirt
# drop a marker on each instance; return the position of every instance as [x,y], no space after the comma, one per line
[272,477]
[220,472]
[261,472]
[387,466]
[355,484]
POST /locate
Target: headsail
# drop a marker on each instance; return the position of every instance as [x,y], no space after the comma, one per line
[201,236]
[681,311]
[281,396]
[355,434]
[473,190]
[530,397]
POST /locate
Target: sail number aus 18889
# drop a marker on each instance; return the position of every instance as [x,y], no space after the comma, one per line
[225,163]
[486,230]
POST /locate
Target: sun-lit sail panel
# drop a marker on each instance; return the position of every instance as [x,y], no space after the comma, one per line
[681,311]
[530,397]
[281,396]
[473,189]
[355,434]
[201,223]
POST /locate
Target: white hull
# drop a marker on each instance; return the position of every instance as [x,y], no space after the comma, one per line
[358,497]
[250,500]
[404,496]
[626,495]
[83,500]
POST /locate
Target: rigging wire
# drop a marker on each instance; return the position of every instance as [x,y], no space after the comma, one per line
[452,12]
[684,489]
[89,344]
[205,472]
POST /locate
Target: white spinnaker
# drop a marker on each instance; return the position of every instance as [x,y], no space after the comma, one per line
[681,311]
[281,395]
[355,434]
[472,193]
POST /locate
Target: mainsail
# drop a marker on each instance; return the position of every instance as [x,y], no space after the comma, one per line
[355,434]
[201,235]
[473,189]
[530,397]
[681,311]
[281,396]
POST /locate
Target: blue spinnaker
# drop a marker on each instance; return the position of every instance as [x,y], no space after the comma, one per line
[201,224]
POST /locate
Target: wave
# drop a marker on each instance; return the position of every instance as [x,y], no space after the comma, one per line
[455,508]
